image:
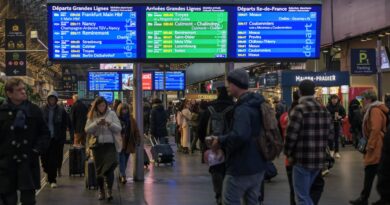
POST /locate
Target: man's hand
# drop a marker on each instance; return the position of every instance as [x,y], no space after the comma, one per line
[215,145]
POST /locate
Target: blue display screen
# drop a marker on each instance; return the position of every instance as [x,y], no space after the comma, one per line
[158,80]
[109,96]
[92,32]
[104,81]
[175,80]
[278,31]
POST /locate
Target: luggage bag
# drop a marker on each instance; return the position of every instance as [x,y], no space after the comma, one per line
[76,161]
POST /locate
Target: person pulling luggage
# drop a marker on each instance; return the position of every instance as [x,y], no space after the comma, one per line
[104,127]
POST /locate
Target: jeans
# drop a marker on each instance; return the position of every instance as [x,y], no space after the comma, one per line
[303,180]
[123,159]
[370,172]
[242,188]
[334,145]
[27,197]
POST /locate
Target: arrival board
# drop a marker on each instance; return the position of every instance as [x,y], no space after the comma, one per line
[104,81]
[186,32]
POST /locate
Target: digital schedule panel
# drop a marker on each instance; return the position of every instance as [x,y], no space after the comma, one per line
[109,96]
[180,32]
[278,31]
[104,81]
[158,80]
[82,32]
[175,80]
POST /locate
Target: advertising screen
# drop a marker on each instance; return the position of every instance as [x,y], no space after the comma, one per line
[128,81]
[81,32]
[109,96]
[186,32]
[147,81]
[103,81]
[278,31]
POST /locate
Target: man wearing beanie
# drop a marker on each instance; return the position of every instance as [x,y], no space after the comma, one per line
[308,133]
[245,166]
[57,121]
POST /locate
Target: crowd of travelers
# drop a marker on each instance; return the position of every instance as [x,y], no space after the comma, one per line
[238,135]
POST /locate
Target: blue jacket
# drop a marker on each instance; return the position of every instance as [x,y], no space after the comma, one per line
[242,155]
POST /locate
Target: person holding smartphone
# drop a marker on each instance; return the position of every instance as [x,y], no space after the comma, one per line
[104,125]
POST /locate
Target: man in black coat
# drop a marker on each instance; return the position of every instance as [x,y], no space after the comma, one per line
[57,121]
[78,115]
[24,136]
[158,121]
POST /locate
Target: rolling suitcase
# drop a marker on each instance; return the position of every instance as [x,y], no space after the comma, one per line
[76,161]
[146,159]
[161,153]
[90,175]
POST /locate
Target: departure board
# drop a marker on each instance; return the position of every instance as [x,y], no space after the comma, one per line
[109,96]
[80,32]
[278,31]
[158,80]
[104,81]
[175,80]
[181,32]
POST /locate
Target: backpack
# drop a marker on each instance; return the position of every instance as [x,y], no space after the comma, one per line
[270,142]
[218,123]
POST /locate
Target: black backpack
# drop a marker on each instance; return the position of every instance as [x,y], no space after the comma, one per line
[218,124]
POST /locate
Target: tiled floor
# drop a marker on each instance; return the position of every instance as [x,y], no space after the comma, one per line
[188,183]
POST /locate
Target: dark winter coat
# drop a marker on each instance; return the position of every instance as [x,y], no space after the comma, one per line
[242,155]
[355,116]
[130,134]
[78,116]
[384,170]
[158,121]
[219,105]
[336,108]
[20,147]
[61,122]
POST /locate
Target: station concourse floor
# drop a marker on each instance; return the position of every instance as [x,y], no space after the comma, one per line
[188,183]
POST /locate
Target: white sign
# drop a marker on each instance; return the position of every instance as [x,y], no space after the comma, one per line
[116,66]
[385,58]
[323,78]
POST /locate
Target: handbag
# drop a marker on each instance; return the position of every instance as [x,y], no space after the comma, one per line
[362,145]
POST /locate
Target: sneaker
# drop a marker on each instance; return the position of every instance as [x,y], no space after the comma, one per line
[332,153]
[53,185]
[325,172]
[359,201]
[337,155]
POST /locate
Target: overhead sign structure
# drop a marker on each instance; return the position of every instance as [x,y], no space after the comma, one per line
[92,32]
[227,2]
[182,32]
[363,61]
[15,45]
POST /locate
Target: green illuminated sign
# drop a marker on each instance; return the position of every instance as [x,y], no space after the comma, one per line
[186,34]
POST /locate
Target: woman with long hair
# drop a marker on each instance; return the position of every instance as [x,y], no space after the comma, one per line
[185,127]
[104,126]
[130,138]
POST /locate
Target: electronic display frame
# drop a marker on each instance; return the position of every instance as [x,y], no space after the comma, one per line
[231,36]
[164,76]
[104,71]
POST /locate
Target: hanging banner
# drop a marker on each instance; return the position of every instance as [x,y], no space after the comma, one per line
[15,40]
[363,61]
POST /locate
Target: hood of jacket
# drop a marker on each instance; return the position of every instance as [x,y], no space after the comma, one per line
[251,99]
[158,107]
[52,93]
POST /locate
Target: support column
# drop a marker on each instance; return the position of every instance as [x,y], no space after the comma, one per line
[228,67]
[379,69]
[138,169]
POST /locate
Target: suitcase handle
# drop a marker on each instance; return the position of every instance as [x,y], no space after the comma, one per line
[152,140]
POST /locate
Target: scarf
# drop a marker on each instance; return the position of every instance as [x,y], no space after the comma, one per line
[21,110]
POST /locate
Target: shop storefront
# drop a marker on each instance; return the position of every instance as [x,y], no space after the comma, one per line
[328,83]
